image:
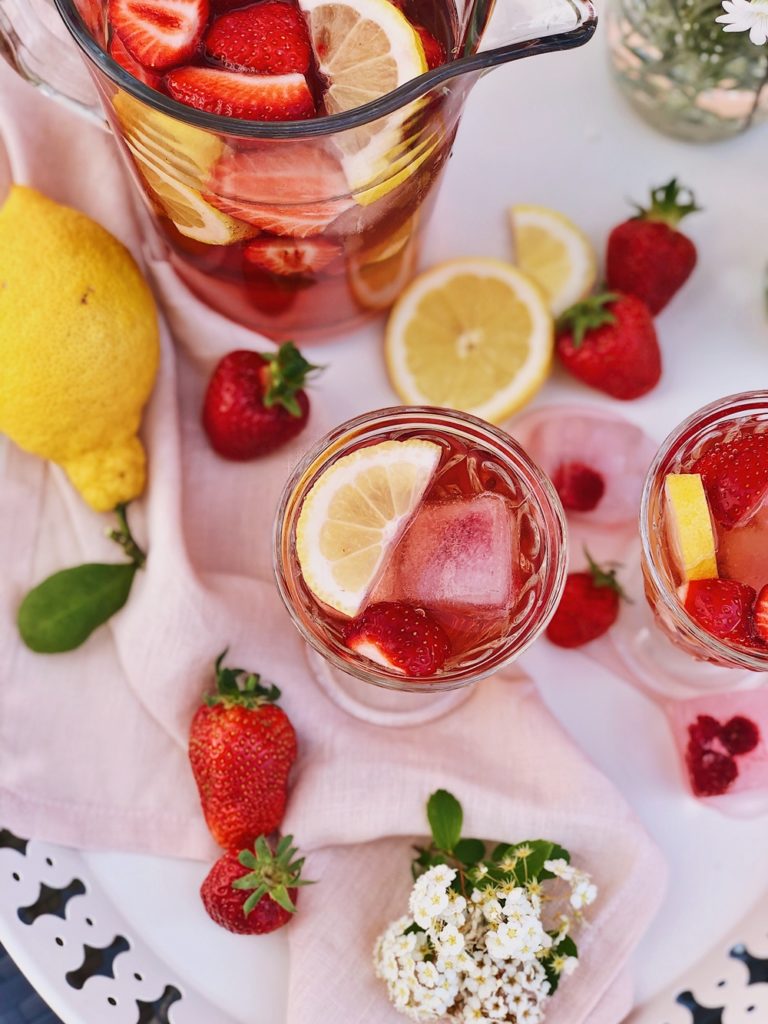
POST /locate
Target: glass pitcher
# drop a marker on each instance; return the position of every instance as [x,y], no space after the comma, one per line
[297,229]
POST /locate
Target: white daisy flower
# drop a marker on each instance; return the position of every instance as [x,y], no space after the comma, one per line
[746,16]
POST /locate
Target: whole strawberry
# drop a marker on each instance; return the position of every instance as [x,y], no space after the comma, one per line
[609,342]
[647,256]
[255,402]
[588,608]
[253,893]
[241,748]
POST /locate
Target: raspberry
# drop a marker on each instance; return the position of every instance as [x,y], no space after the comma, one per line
[703,731]
[711,773]
[580,487]
[739,735]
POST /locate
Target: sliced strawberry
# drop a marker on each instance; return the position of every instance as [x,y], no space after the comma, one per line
[269,38]
[295,190]
[253,97]
[580,487]
[761,614]
[120,53]
[291,255]
[159,33]
[735,477]
[400,637]
[92,13]
[722,607]
[433,50]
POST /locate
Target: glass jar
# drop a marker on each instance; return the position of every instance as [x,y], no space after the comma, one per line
[683,73]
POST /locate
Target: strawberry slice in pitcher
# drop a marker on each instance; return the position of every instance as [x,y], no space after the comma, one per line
[157,33]
[268,38]
[288,256]
[297,190]
[253,97]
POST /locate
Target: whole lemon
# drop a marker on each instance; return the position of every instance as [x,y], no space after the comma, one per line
[79,346]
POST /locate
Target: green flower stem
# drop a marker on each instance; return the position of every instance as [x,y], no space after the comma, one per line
[125,538]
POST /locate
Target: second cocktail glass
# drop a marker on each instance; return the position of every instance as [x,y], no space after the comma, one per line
[701,656]
[474,542]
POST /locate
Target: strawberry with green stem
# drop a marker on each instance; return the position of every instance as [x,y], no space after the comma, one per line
[609,342]
[254,892]
[589,606]
[241,750]
[647,255]
[255,401]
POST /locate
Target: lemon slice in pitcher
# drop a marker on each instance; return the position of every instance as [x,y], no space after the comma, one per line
[365,49]
[555,253]
[354,514]
[471,334]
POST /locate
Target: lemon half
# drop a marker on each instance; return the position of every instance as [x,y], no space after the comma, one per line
[354,514]
[471,334]
[555,253]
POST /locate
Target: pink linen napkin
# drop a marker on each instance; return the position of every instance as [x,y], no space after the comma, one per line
[92,744]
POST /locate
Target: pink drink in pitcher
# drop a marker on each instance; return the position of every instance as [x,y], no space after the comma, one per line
[284,235]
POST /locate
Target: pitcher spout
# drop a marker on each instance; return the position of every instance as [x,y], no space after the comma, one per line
[501,25]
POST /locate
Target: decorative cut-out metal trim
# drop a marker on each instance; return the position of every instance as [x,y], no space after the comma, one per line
[78,950]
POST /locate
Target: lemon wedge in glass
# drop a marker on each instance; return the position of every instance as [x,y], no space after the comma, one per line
[355,513]
[689,526]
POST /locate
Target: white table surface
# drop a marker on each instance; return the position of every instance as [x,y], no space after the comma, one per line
[554,131]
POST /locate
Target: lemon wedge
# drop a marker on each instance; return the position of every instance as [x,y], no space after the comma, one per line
[354,514]
[689,526]
[555,253]
[471,334]
[365,49]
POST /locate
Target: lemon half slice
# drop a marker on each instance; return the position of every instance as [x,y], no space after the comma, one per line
[555,253]
[689,526]
[472,334]
[354,514]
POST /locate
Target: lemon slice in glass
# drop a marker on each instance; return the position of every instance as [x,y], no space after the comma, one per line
[471,334]
[689,526]
[555,253]
[354,514]
[365,49]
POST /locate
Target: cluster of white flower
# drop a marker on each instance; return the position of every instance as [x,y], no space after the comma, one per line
[583,891]
[476,960]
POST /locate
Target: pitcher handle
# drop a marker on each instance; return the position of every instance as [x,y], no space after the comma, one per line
[49,62]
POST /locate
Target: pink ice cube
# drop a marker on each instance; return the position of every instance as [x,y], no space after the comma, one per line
[459,555]
[722,740]
[742,553]
[616,449]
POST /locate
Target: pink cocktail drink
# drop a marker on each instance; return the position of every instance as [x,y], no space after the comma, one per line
[472,560]
[717,610]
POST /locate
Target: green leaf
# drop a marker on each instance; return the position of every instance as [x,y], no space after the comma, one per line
[445,819]
[61,612]
[501,851]
[469,851]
